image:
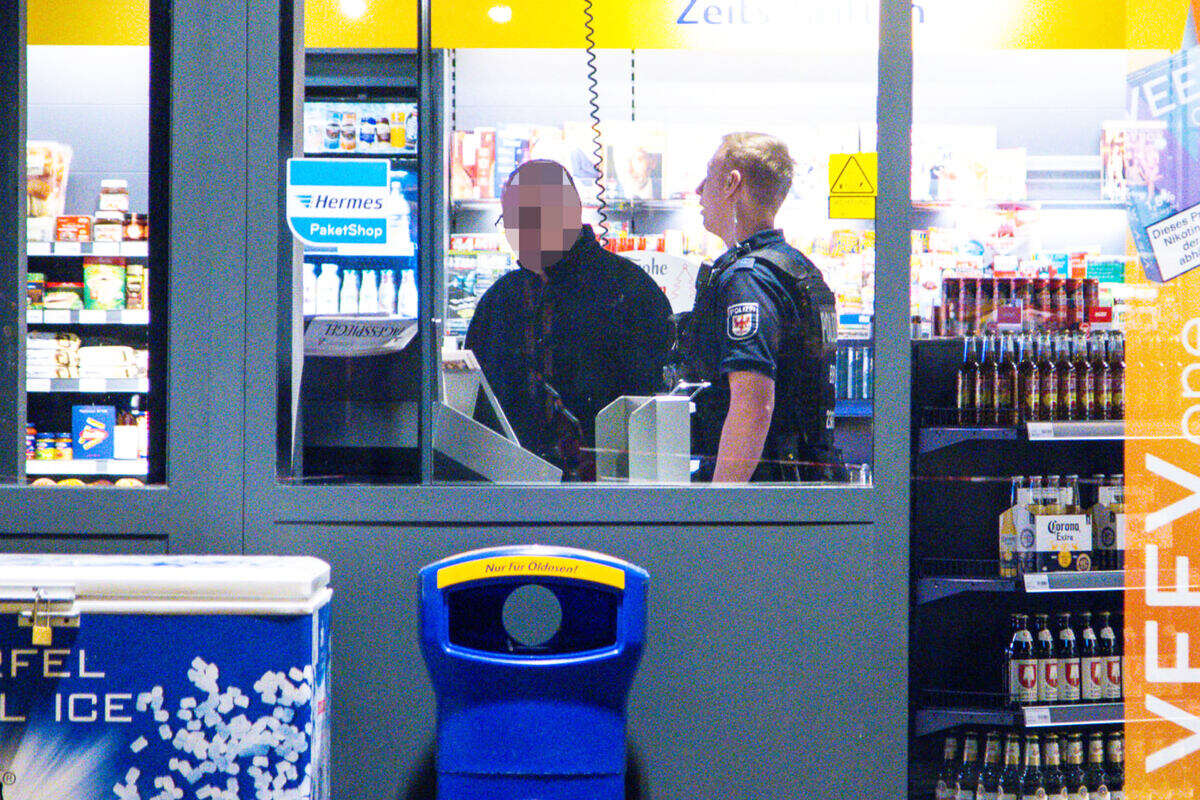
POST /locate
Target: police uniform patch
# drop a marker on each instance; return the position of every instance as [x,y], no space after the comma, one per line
[742,321]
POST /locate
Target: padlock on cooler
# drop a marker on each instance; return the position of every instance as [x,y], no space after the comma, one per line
[531,651]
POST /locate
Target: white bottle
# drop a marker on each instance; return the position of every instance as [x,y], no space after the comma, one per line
[327,290]
[310,288]
[349,301]
[407,299]
[368,294]
[399,237]
[387,292]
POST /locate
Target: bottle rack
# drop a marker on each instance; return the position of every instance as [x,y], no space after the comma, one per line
[960,602]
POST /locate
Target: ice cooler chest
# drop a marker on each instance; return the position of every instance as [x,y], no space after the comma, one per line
[163,678]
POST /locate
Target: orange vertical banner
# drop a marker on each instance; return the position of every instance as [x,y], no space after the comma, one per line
[1162,449]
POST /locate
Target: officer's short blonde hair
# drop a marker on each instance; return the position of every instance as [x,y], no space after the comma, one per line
[764,164]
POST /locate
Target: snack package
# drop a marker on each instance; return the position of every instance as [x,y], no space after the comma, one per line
[47,165]
[104,283]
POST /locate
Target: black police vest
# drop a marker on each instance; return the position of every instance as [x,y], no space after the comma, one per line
[799,443]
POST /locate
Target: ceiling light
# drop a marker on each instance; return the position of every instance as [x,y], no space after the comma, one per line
[500,14]
[353,9]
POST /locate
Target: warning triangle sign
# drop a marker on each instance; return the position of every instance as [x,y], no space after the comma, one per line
[854,176]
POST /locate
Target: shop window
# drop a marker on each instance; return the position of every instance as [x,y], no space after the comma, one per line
[571,236]
[94,346]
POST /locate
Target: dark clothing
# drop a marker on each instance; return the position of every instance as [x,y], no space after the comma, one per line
[764,307]
[597,328]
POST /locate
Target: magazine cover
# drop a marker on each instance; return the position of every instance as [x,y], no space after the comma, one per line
[1127,151]
[1162,170]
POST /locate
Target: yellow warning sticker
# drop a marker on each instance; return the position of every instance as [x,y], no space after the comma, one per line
[853,178]
[530,567]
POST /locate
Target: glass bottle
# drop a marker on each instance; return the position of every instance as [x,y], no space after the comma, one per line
[1046,654]
[1005,388]
[965,384]
[1115,766]
[1091,664]
[1067,389]
[985,381]
[1032,787]
[1085,386]
[1010,776]
[988,786]
[1116,378]
[1028,387]
[1068,661]
[1047,381]
[1100,380]
[1052,776]
[968,772]
[1073,775]
[1096,776]
[944,788]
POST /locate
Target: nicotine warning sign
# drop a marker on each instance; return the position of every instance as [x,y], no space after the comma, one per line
[1176,243]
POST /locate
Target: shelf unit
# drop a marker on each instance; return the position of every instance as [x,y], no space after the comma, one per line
[938,437]
[933,588]
[88,385]
[87,316]
[938,718]
[82,249]
[117,467]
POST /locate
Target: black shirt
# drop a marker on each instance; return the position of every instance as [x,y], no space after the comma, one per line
[597,328]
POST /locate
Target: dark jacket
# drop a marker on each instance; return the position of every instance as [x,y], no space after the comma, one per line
[598,328]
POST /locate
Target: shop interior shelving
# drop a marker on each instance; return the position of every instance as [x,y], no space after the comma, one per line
[936,719]
[934,587]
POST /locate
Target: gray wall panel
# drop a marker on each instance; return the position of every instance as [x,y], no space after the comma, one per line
[115,545]
[757,679]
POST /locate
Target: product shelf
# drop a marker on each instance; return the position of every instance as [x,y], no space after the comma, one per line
[938,587]
[87,316]
[126,467]
[937,719]
[80,249]
[88,385]
[1075,431]
[936,438]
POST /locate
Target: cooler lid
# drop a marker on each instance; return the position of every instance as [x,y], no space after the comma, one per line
[227,579]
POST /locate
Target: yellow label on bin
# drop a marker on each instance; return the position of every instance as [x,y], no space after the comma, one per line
[530,567]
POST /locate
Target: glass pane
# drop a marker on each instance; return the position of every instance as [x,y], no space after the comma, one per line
[96,340]
[1054,191]
[579,239]
[358,293]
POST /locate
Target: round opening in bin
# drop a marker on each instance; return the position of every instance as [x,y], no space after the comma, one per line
[532,615]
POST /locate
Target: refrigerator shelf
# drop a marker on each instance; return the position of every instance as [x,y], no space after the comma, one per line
[88,385]
[127,467]
[87,316]
[937,719]
[933,588]
[80,249]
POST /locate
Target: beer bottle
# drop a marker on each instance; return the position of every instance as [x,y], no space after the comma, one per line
[1004,390]
[944,789]
[1053,503]
[1028,386]
[988,786]
[968,304]
[1031,777]
[1067,388]
[1073,775]
[985,381]
[965,400]
[1085,385]
[1116,377]
[968,772]
[1052,776]
[1116,765]
[1010,776]
[1096,777]
[952,325]
[1100,380]
[1110,650]
[1092,665]
[1116,554]
[1022,667]
[1068,661]
[1060,302]
[1046,655]
[1047,381]
[1074,504]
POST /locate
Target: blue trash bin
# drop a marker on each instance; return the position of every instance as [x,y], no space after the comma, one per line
[531,651]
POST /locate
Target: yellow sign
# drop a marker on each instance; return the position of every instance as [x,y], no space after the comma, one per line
[853,181]
[531,567]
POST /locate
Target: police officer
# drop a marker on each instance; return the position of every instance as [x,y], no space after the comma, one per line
[763,331]
[571,330]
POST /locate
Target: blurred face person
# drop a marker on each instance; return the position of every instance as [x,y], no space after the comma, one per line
[542,214]
[718,197]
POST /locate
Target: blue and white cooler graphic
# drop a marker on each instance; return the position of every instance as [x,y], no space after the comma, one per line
[163,678]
